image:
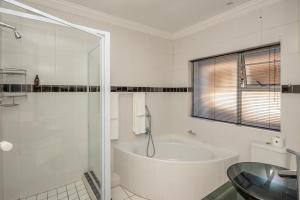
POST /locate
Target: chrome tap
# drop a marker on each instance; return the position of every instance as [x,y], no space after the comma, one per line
[293,173]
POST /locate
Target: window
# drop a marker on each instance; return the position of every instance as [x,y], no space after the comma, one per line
[241,88]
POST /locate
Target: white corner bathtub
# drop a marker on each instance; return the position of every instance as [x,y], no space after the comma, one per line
[181,168]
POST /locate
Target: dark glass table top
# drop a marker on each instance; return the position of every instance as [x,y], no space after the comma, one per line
[251,181]
[225,192]
[261,181]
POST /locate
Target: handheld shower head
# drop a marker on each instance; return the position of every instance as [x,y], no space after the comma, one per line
[16,33]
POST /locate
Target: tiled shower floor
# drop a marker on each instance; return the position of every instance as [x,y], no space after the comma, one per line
[77,191]
[73,191]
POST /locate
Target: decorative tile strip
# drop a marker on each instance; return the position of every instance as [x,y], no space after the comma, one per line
[84,88]
[291,89]
[148,89]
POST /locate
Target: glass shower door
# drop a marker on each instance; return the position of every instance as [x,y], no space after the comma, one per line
[96,135]
[59,130]
[94,113]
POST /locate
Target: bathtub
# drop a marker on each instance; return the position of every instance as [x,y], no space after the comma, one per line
[181,168]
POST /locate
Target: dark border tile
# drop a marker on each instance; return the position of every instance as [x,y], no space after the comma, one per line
[55,88]
[15,88]
[84,88]
[93,88]
[6,88]
[81,88]
[37,88]
[64,88]
[123,89]
[46,88]
[290,88]
[72,88]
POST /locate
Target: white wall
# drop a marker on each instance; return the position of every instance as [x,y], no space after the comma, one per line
[49,133]
[137,59]
[279,22]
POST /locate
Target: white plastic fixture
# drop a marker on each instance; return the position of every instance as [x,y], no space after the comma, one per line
[266,153]
[6,146]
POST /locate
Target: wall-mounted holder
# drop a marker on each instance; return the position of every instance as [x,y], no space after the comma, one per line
[291,89]
[9,90]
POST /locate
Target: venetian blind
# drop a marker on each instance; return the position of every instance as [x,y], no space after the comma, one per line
[215,88]
[241,88]
[260,88]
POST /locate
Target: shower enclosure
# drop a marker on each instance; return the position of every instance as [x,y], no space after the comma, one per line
[54,137]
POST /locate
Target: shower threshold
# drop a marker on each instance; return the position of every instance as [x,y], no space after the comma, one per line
[92,184]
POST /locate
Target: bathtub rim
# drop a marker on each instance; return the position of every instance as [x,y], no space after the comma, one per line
[182,139]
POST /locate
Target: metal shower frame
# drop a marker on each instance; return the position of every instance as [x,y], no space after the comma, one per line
[104,43]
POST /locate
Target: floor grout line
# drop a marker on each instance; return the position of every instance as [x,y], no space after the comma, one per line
[63,191]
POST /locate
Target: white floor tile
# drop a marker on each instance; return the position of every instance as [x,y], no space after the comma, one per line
[61,189]
[73,191]
[62,195]
[73,196]
[82,192]
[78,183]
[31,198]
[52,198]
[71,186]
[137,198]
[52,193]
[118,194]
[84,197]
[42,196]
[128,192]
[80,187]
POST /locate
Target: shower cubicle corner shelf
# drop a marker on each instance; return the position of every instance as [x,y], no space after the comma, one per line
[5,74]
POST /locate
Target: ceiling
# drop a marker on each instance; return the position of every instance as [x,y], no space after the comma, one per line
[166,15]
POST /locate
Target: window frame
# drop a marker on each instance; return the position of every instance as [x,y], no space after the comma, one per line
[239,89]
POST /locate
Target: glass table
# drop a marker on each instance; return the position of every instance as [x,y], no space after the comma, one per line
[225,192]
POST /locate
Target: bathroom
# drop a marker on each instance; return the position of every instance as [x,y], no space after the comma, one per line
[74,133]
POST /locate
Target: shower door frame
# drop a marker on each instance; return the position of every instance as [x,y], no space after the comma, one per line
[104,43]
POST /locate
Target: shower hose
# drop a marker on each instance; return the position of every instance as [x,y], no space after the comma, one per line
[149,133]
[150,138]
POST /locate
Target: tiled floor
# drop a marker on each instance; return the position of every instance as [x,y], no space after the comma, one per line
[73,191]
[120,193]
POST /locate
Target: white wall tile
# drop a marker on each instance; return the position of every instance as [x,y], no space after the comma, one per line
[290,68]
[278,24]
[50,145]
